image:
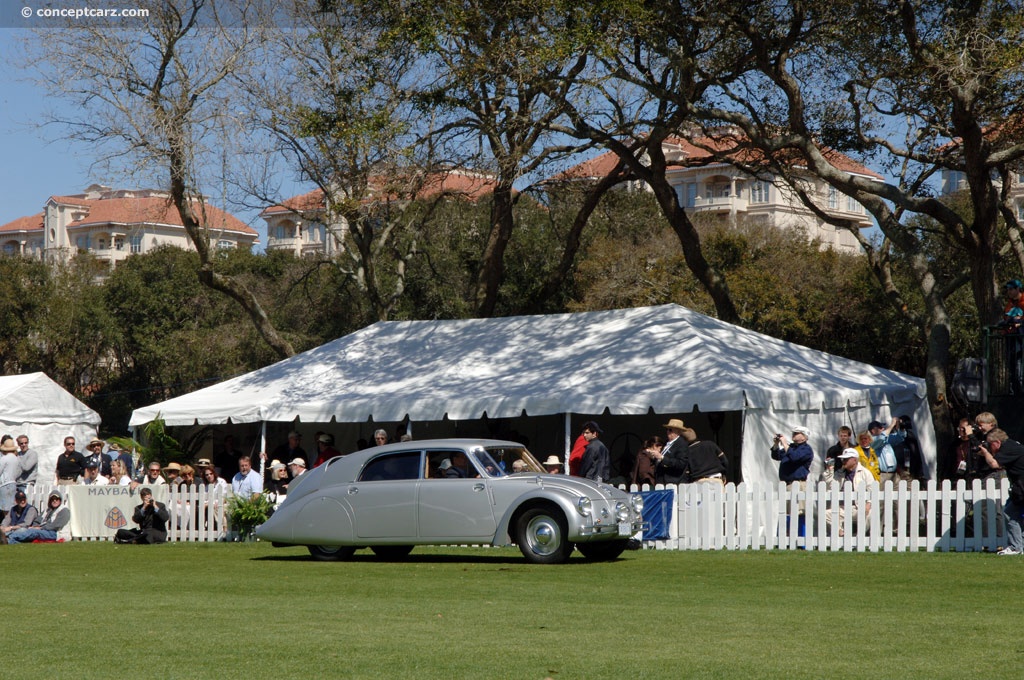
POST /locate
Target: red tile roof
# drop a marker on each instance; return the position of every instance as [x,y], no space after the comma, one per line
[132,211]
[27,223]
[464,184]
[696,156]
[152,210]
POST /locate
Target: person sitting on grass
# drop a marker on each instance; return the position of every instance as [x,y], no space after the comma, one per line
[46,526]
[20,516]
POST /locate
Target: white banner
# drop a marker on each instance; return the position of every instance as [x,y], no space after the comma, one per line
[99,511]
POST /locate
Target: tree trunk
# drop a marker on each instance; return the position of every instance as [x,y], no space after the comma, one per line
[492,265]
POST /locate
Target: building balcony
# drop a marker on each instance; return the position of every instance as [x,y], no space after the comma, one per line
[112,255]
[295,245]
[720,204]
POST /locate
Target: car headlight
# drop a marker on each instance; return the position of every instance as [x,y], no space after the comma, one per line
[638,502]
[584,506]
[621,511]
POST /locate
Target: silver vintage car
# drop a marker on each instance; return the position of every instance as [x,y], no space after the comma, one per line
[451,491]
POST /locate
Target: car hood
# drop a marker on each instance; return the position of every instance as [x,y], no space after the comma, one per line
[580,487]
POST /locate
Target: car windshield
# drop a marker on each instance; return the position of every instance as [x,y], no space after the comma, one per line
[498,461]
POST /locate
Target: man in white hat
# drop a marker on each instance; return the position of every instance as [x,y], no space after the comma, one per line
[553,465]
[670,463]
[296,467]
[852,475]
[795,458]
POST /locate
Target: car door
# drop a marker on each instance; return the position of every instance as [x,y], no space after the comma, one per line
[454,508]
[383,499]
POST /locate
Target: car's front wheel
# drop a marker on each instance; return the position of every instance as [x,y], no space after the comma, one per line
[391,552]
[542,535]
[330,553]
[602,551]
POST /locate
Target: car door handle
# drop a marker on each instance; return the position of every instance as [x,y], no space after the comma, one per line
[353,490]
[479,487]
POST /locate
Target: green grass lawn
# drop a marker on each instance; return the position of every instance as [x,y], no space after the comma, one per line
[99,610]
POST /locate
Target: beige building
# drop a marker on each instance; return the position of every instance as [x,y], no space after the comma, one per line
[112,224]
[300,224]
[707,186]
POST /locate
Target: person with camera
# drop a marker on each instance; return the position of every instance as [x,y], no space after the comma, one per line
[794,457]
[883,439]
[976,465]
[151,516]
[1000,451]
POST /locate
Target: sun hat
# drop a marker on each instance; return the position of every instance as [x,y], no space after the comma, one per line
[674,424]
[297,461]
[552,460]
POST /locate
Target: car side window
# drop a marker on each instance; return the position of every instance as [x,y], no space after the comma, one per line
[440,461]
[392,466]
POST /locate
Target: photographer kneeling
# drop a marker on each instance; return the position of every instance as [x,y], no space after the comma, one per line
[151,516]
[1001,451]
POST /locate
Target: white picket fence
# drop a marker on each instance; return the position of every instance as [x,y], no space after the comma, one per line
[198,515]
[904,518]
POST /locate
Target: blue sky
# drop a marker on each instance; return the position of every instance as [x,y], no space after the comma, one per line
[33,167]
[36,162]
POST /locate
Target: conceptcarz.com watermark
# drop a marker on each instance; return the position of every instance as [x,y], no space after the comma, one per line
[68,16]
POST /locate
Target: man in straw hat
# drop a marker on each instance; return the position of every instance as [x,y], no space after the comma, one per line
[670,463]
[10,470]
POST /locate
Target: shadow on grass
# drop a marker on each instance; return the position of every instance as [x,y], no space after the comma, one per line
[426,558]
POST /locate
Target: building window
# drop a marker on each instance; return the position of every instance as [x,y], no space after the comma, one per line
[119,243]
[135,243]
[759,191]
[833,197]
[851,204]
[82,243]
[955,181]
[280,233]
[101,244]
[10,248]
[224,244]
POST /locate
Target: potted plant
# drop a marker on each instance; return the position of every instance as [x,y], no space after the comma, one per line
[245,514]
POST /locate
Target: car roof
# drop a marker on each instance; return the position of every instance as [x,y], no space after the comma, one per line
[466,443]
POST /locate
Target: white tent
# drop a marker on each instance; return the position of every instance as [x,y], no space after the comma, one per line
[36,406]
[665,359]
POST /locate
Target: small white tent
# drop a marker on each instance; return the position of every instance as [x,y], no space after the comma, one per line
[34,405]
[666,359]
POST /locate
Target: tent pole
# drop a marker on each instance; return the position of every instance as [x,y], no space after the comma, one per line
[263,446]
[567,443]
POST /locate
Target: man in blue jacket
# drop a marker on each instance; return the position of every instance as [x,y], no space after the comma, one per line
[794,457]
[794,461]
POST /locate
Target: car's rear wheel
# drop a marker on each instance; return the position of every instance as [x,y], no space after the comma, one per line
[330,553]
[602,551]
[542,535]
[391,552]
